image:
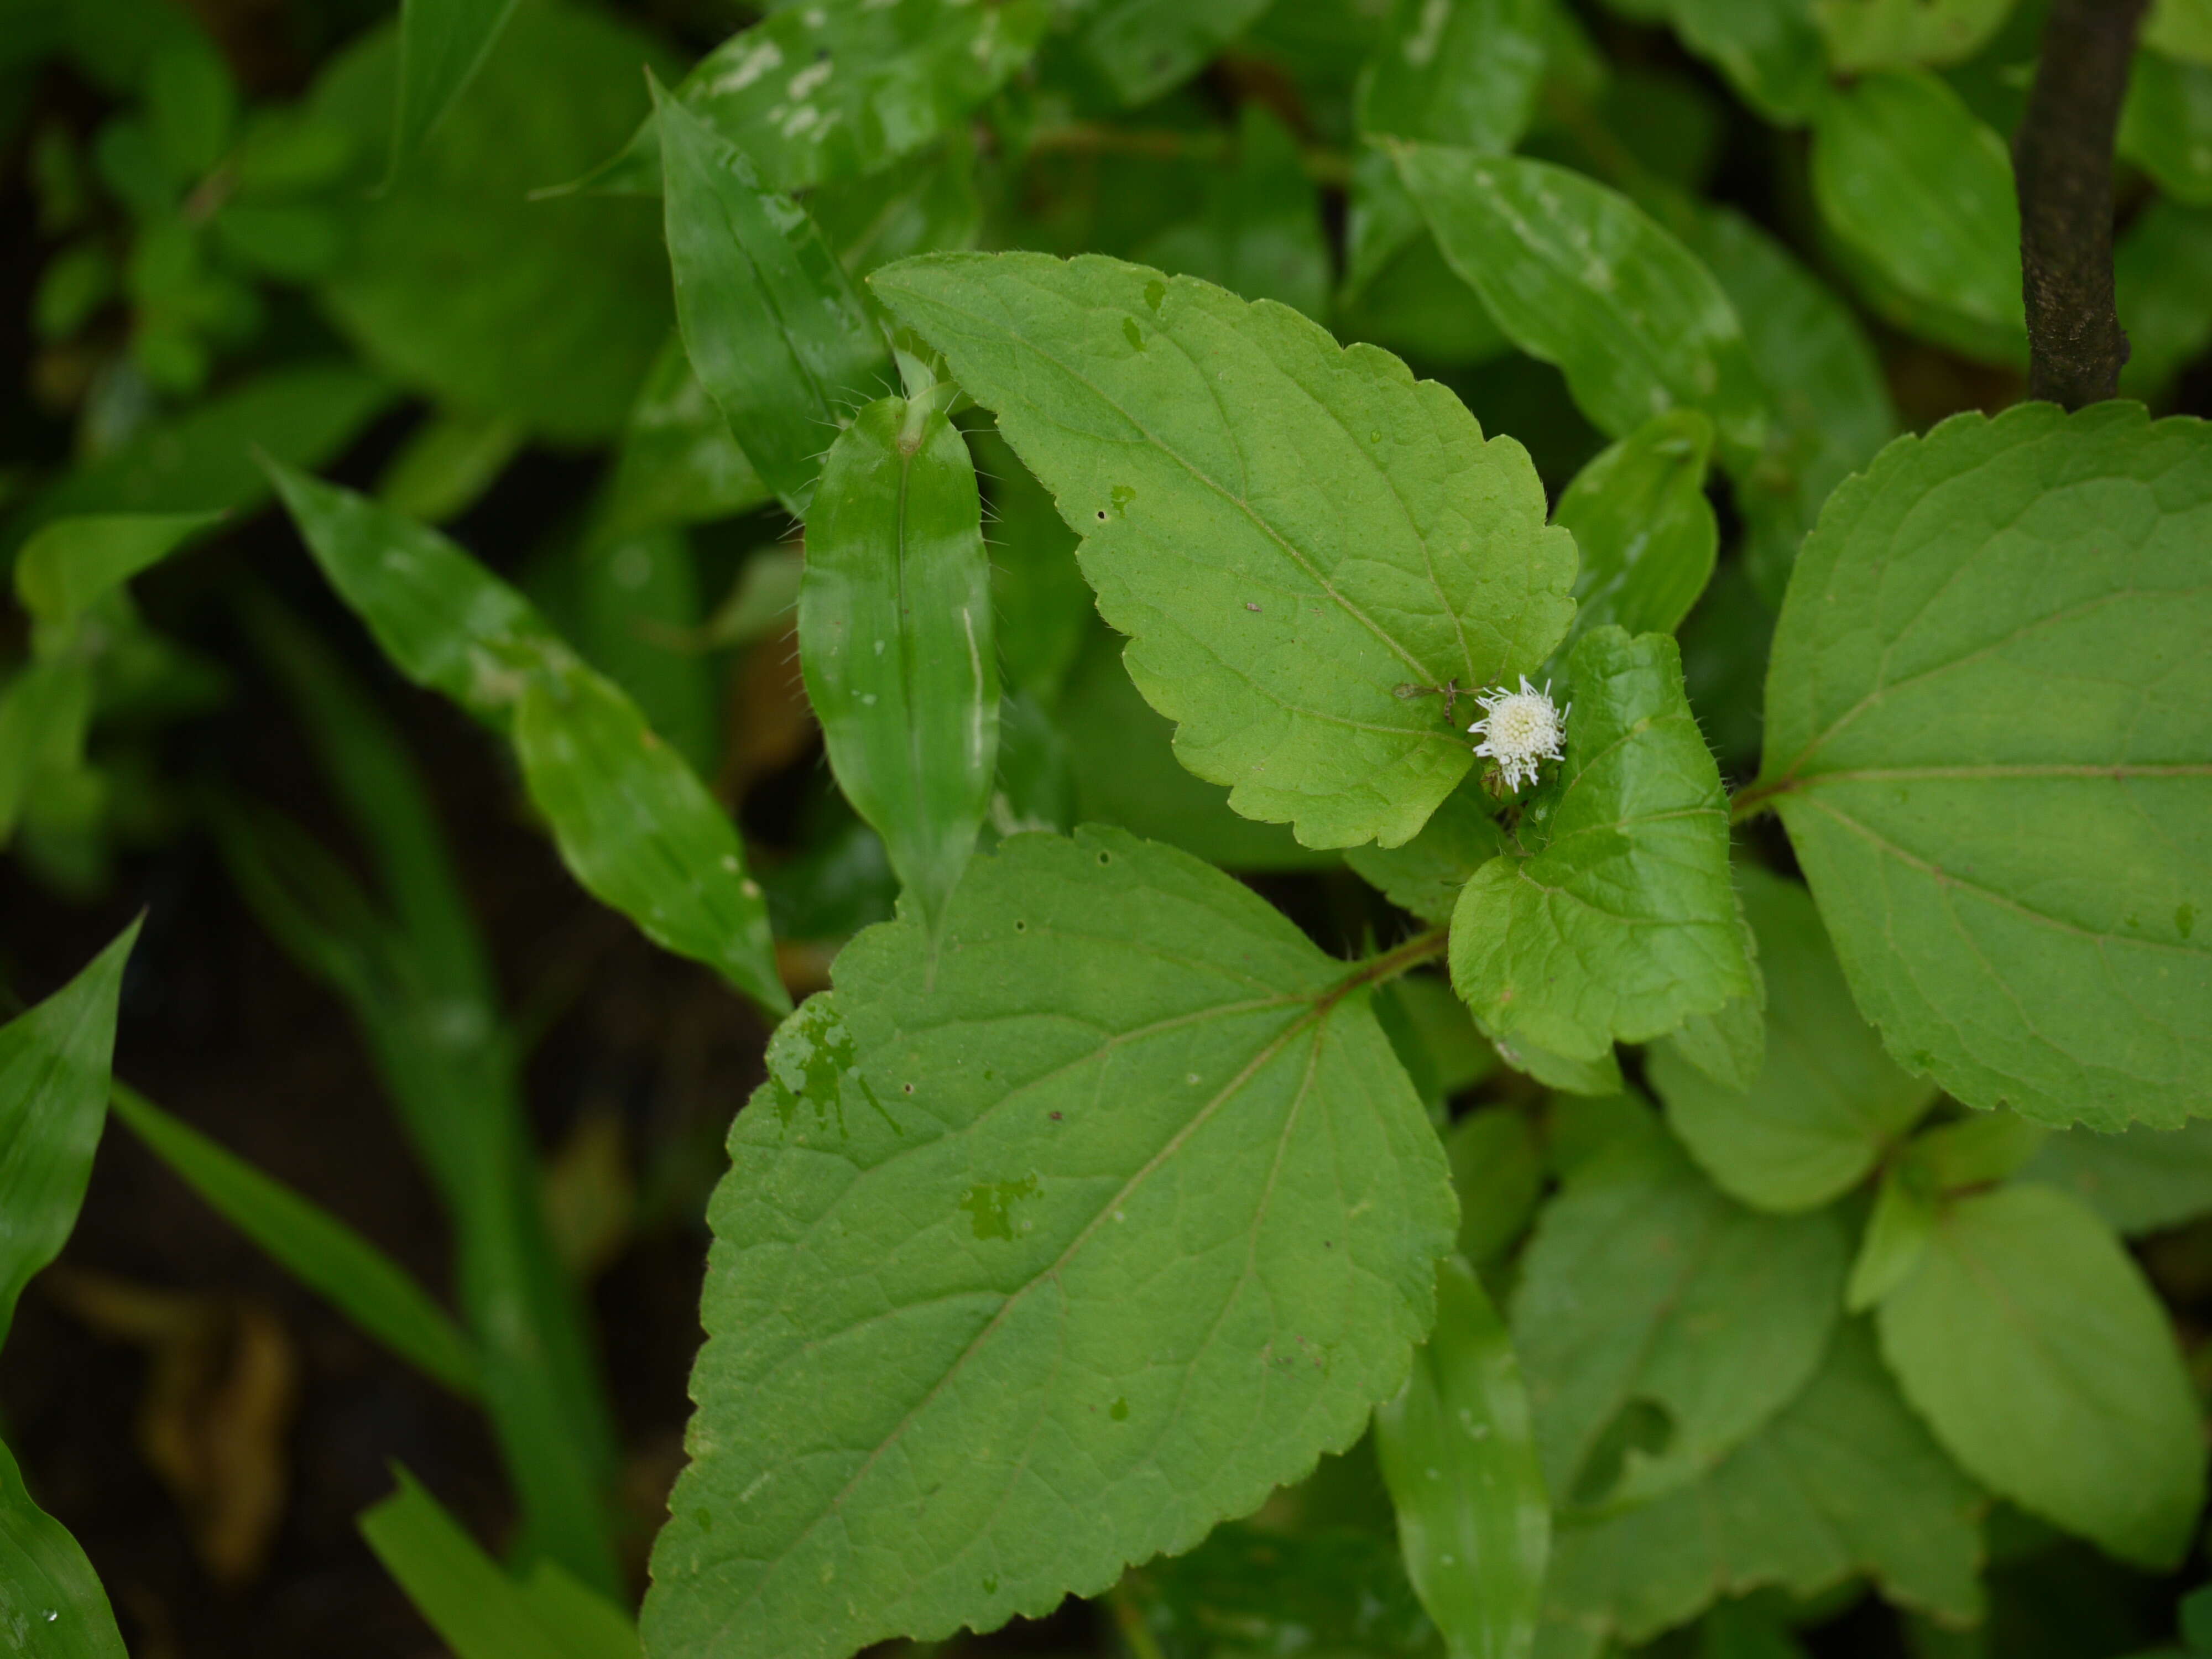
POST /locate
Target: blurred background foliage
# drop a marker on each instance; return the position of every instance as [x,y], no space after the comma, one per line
[364,971]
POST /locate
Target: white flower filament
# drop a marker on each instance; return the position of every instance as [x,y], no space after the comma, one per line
[1519,730]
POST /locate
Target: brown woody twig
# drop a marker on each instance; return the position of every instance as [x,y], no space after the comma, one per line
[2063,163]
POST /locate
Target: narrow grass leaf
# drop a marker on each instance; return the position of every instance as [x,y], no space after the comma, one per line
[1460,72]
[53,1099]
[54,1061]
[820,94]
[442,44]
[472,1603]
[65,567]
[1145,47]
[1459,1454]
[52,1600]
[640,832]
[314,1246]
[770,322]
[895,640]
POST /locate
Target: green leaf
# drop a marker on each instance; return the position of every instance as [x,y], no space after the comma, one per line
[2162,269]
[2141,1181]
[65,567]
[2035,1347]
[419,987]
[53,1099]
[1459,72]
[1460,1458]
[1598,1078]
[1876,34]
[1727,1046]
[477,1610]
[1644,529]
[1427,874]
[1844,1482]
[1433,1037]
[1978,1149]
[973,1344]
[631,605]
[375,781]
[1294,532]
[442,45]
[1906,1208]
[44,713]
[1259,232]
[1414,303]
[2166,125]
[1576,275]
[316,1248]
[638,829]
[1577,1130]
[924,204]
[2180,28]
[1824,386]
[447,463]
[1130,776]
[1827,1103]
[51,1595]
[633,822]
[1498,1170]
[895,640]
[1987,734]
[1613,916]
[458,285]
[53,1092]
[818,94]
[1044,606]
[1922,191]
[1661,1325]
[203,460]
[1145,47]
[770,323]
[1769,50]
[677,463]
[1333,1592]
[192,104]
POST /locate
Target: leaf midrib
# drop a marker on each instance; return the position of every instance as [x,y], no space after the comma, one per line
[1944,877]
[1290,551]
[1315,1017]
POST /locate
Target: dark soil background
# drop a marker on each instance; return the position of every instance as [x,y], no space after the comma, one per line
[221,1028]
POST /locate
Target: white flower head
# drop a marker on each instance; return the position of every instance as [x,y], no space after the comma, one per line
[1519,730]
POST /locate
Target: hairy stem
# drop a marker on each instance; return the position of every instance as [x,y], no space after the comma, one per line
[1399,959]
[2062,164]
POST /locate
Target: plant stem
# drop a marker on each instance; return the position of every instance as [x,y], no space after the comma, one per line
[1753,799]
[1398,959]
[1323,166]
[2063,163]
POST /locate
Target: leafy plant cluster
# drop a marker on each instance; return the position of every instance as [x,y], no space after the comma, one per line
[1694,1211]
